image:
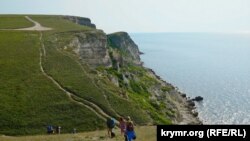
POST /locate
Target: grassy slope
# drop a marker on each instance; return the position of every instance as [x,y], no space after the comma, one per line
[29,101]
[63,68]
[68,72]
[143,134]
[139,85]
[137,91]
[142,96]
[13,22]
[59,24]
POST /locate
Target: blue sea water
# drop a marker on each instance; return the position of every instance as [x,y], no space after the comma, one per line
[214,66]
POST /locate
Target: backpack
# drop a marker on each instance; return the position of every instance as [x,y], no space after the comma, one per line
[49,128]
[111,123]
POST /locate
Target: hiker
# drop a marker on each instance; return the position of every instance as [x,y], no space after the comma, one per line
[122,125]
[130,132]
[74,131]
[50,129]
[129,120]
[110,125]
[58,130]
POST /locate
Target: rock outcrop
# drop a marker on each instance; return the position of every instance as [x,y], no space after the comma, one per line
[120,57]
[80,21]
[91,47]
[198,98]
[126,46]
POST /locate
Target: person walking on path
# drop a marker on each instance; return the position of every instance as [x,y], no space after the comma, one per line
[122,125]
[110,126]
[74,131]
[58,129]
[130,132]
[50,129]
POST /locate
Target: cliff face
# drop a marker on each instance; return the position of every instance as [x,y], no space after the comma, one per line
[116,58]
[91,47]
[98,49]
[128,49]
[80,21]
[164,102]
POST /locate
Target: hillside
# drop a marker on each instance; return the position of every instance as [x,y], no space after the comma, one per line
[76,76]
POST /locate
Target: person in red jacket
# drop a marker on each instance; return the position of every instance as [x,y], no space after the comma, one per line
[122,125]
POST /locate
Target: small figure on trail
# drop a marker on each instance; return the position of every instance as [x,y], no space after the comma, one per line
[50,129]
[110,126]
[58,130]
[74,131]
[122,125]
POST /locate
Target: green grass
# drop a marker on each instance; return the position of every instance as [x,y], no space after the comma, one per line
[41,102]
[69,73]
[59,24]
[139,94]
[167,88]
[142,84]
[138,89]
[125,107]
[14,22]
[29,101]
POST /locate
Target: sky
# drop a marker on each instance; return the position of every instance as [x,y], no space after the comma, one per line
[145,15]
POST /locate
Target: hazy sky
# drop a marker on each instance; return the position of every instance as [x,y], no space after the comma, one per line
[145,15]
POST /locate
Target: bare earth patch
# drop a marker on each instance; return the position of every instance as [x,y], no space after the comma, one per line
[37,26]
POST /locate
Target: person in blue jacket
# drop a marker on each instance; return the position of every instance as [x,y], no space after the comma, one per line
[130,132]
[110,125]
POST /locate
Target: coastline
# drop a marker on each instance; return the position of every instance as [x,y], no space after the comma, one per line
[186,107]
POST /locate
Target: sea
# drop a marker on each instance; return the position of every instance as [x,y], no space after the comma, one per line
[215,66]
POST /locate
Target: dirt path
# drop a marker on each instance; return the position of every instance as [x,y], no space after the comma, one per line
[37,26]
[83,69]
[74,98]
[91,106]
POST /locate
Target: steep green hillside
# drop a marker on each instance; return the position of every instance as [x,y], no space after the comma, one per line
[29,101]
[76,76]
